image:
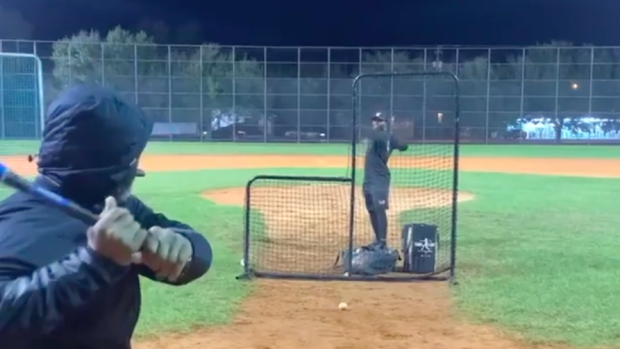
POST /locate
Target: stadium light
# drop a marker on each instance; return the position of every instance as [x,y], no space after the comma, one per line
[575,86]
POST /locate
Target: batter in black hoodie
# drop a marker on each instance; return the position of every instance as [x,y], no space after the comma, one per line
[55,292]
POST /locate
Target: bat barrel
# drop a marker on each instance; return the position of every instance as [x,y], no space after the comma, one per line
[3,170]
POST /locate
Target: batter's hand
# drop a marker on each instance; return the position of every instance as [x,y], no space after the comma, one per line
[116,235]
[166,252]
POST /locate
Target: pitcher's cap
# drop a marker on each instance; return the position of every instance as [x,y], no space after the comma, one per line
[378,117]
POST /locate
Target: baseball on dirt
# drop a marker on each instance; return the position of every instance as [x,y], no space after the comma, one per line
[343,306]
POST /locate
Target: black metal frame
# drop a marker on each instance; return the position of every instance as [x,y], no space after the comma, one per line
[440,275]
[248,271]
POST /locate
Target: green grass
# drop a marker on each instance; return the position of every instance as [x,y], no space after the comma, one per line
[537,259]
[537,255]
[213,148]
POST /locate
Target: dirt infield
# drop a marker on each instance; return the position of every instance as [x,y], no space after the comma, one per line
[541,166]
[275,317]
[293,315]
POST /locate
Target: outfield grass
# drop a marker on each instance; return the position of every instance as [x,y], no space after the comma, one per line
[531,260]
[213,148]
[537,254]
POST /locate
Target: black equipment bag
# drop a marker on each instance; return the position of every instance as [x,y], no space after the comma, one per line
[420,243]
[374,259]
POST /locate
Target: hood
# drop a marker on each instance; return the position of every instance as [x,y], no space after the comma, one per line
[92,138]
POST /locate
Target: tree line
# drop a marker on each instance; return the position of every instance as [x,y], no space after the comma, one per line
[200,77]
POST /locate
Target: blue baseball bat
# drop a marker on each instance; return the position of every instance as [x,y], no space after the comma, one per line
[15,181]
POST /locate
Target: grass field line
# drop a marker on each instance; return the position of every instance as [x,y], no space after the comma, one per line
[9,147]
[601,167]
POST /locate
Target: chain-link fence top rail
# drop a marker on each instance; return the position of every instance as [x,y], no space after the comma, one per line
[302,94]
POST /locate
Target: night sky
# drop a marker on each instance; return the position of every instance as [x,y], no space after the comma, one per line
[337,22]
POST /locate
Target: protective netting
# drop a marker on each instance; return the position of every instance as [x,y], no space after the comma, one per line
[297,226]
[21,109]
[20,96]
[423,108]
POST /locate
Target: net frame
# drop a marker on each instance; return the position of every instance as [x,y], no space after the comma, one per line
[264,265]
[39,89]
[447,273]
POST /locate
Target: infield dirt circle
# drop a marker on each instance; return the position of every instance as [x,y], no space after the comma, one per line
[292,315]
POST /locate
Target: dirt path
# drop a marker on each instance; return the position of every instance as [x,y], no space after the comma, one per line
[295,315]
[305,237]
[570,167]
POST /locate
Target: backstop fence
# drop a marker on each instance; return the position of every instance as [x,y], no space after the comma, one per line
[266,94]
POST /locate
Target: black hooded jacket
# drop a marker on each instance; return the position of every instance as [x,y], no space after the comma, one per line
[54,292]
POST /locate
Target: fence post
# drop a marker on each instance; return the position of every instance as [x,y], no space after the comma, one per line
[268,121]
[486,118]
[456,60]
[591,81]
[424,98]
[358,127]
[523,76]
[329,84]
[298,94]
[557,91]
[201,129]
[136,83]
[169,90]
[391,87]
[41,92]
[234,94]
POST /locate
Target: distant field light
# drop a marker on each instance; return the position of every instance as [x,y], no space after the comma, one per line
[440,117]
[575,85]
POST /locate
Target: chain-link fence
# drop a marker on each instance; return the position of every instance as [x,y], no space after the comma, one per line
[304,94]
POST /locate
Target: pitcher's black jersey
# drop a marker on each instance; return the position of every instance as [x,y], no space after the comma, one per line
[380,147]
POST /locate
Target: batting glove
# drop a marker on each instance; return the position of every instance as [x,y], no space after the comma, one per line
[166,252]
